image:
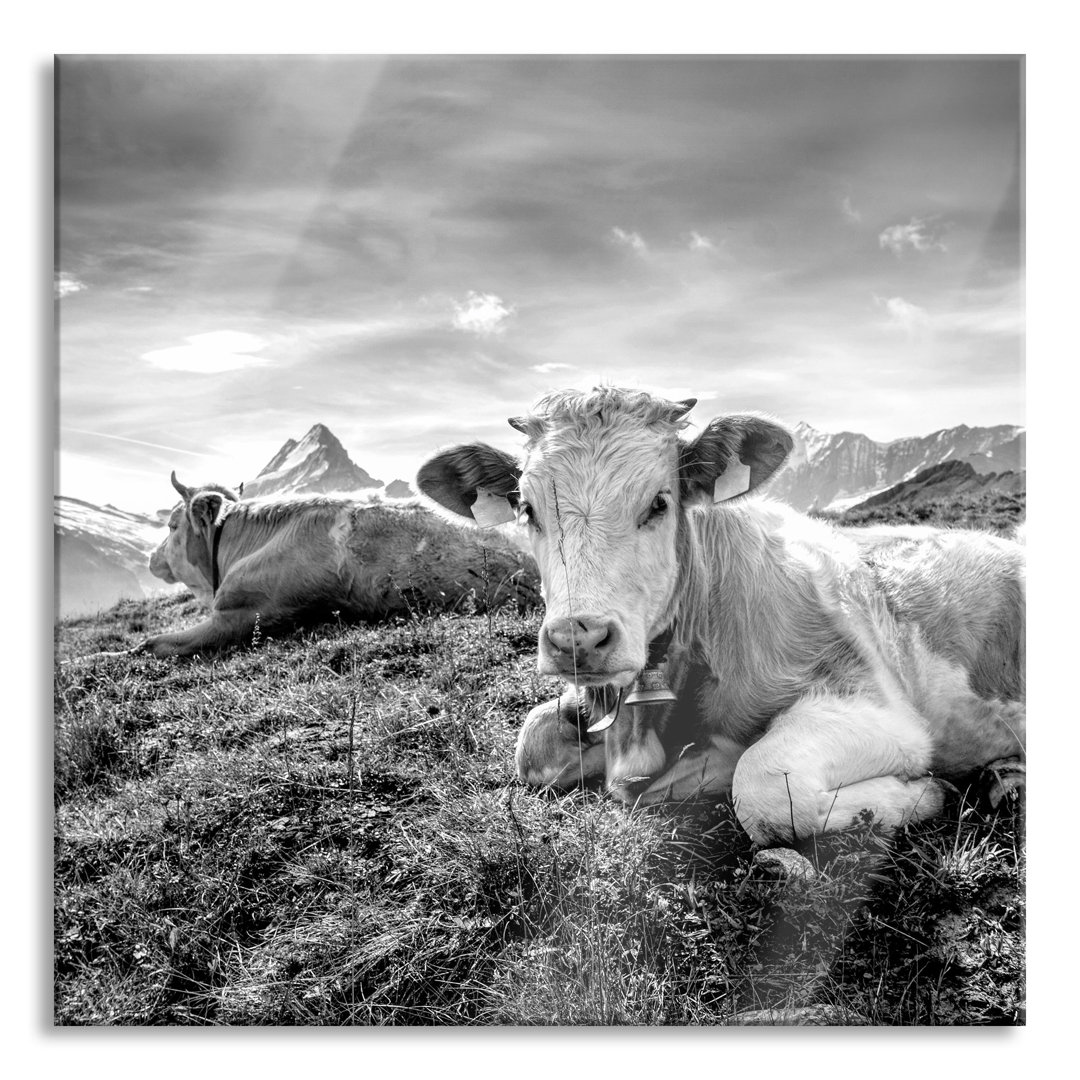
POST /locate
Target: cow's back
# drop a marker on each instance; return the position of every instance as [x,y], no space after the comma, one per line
[398,557]
[965,590]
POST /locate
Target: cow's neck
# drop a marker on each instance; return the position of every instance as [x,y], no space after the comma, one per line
[752,618]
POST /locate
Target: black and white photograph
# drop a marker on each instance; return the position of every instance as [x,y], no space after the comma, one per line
[539,541]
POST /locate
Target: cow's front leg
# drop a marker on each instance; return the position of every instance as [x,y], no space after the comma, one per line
[553,748]
[221,629]
[829,764]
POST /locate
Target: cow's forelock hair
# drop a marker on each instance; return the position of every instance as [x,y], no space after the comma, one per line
[590,411]
[221,489]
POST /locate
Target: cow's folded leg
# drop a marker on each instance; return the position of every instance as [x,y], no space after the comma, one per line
[554,750]
[788,808]
[1006,780]
[830,763]
[695,775]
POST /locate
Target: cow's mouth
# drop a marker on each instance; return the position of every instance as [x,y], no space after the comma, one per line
[584,677]
[619,679]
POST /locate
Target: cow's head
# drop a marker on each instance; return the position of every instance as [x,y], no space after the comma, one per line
[185,554]
[602,491]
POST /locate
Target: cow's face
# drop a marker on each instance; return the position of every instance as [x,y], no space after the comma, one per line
[603,492]
[185,553]
[600,500]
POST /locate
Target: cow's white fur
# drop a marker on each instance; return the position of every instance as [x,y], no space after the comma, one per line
[829,674]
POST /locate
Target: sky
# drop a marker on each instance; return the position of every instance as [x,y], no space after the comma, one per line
[411,249]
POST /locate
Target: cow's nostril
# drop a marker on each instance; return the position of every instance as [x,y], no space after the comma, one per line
[582,638]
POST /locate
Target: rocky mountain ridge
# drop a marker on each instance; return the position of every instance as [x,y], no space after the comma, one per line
[835,471]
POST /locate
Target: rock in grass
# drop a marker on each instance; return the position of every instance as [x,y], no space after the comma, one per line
[785,863]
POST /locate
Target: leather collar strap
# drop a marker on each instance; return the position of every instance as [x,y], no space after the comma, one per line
[658,647]
[216,574]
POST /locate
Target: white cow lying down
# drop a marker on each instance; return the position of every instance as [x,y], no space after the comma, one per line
[300,559]
[823,675]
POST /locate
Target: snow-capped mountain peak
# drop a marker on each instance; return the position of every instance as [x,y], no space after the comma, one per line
[317,464]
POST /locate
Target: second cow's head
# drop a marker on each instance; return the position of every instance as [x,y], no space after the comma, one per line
[186,553]
[603,491]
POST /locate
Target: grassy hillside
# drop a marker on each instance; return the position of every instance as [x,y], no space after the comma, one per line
[325,829]
[992,510]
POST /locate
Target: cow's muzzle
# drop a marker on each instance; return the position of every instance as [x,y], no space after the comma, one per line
[586,648]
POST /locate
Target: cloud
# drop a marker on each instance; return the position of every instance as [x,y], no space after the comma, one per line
[700,243]
[138,442]
[853,215]
[209,354]
[546,369]
[918,235]
[482,313]
[66,285]
[631,240]
[909,317]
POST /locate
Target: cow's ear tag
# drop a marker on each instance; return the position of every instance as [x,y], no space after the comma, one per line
[734,480]
[491,509]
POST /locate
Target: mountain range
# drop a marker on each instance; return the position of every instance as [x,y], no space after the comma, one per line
[101,553]
[834,472]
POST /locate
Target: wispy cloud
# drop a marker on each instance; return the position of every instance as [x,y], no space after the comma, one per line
[547,369]
[700,243]
[66,285]
[482,313]
[919,234]
[852,215]
[210,354]
[137,442]
[631,240]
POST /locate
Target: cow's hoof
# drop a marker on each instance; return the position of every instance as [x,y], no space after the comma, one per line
[1006,780]
[785,863]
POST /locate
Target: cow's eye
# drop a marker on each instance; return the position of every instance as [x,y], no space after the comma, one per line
[657,509]
[529,516]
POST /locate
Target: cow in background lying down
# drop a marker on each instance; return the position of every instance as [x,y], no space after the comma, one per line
[290,560]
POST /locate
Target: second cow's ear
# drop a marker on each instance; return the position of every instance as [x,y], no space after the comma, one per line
[474,482]
[205,507]
[733,456]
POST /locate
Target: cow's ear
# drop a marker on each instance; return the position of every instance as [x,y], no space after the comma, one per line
[733,456]
[205,507]
[476,482]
